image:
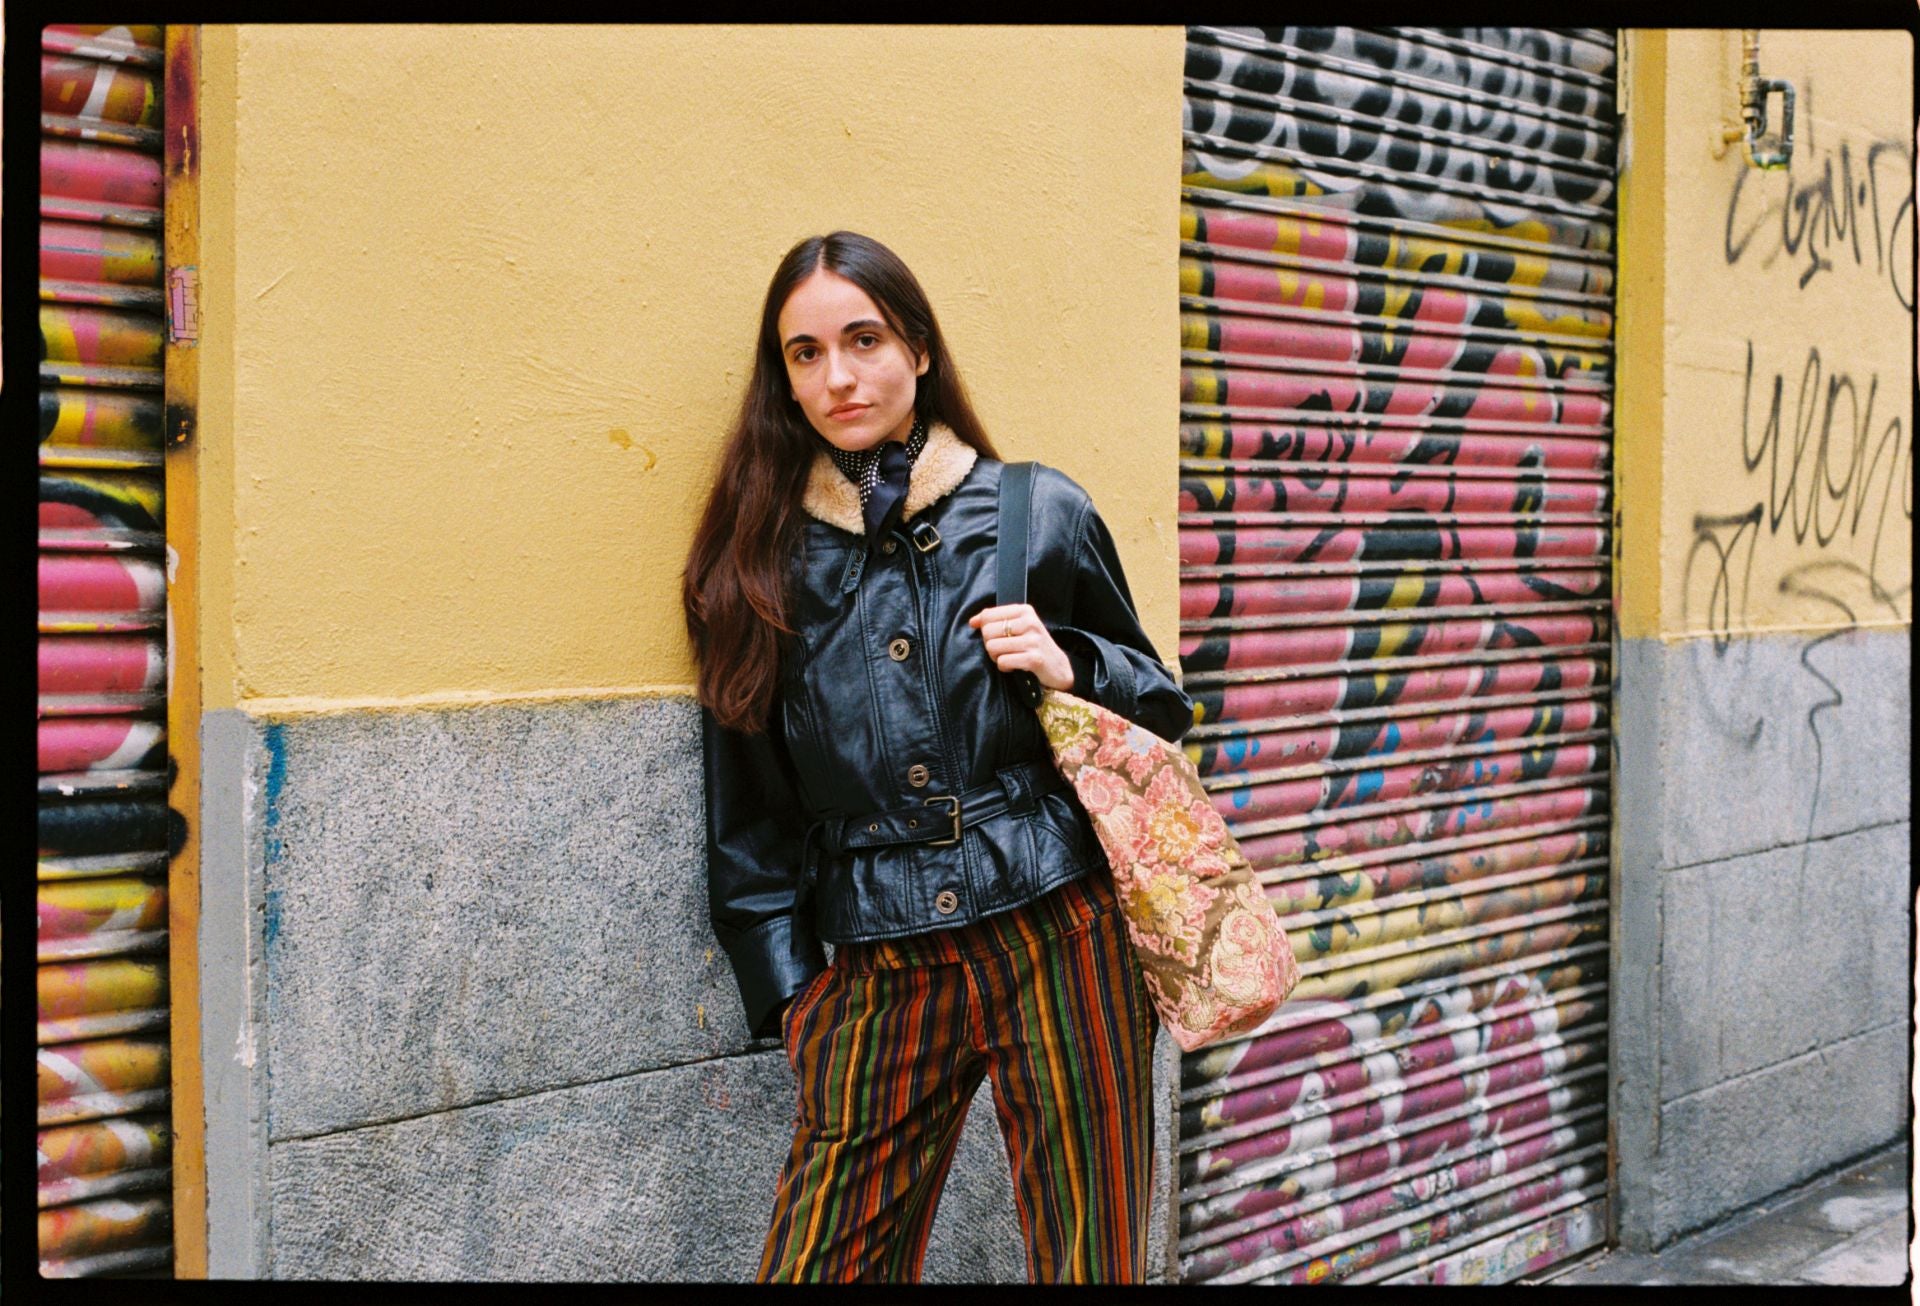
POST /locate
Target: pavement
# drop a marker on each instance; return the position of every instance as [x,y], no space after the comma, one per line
[1848,1227]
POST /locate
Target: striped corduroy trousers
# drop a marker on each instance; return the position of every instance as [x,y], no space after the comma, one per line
[889,1045]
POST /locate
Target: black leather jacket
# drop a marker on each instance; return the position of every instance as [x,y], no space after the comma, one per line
[888,700]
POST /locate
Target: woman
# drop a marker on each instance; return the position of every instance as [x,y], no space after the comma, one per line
[873,783]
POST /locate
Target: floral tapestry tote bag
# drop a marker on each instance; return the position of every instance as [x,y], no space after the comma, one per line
[1212,951]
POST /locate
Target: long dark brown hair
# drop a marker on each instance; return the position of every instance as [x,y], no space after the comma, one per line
[734,588]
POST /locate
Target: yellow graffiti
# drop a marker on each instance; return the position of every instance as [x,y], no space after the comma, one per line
[1396,296]
[1524,315]
[133,490]
[1457,909]
[1393,638]
[1404,967]
[1281,182]
[119,1065]
[1529,270]
[99,1148]
[100,986]
[1407,590]
[115,421]
[1414,251]
[137,903]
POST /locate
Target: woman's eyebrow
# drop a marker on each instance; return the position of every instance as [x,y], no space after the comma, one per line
[860,324]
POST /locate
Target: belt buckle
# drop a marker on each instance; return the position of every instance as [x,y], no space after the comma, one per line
[952,811]
[924,536]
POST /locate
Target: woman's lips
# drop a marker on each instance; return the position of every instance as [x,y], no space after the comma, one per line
[847,412]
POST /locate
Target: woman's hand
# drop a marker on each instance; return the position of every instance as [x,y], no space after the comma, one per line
[1017,640]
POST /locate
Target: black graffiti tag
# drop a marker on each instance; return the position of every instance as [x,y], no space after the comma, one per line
[1831,469]
[1835,470]
[1847,200]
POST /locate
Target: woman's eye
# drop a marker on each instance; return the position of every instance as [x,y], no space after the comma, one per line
[866,340]
[804,354]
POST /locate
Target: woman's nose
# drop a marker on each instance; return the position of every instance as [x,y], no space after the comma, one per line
[839,375]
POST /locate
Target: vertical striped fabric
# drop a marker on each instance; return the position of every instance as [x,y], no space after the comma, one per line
[888,1046]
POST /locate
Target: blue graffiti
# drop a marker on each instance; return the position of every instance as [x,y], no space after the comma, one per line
[1389,740]
[275,739]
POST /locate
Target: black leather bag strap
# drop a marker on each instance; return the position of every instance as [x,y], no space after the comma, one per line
[1016,503]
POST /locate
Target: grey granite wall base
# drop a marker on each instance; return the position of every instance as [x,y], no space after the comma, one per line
[487,1031]
[664,1175]
[1761,918]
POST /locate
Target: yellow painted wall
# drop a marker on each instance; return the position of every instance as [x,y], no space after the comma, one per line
[214,531]
[1639,332]
[1810,269]
[492,295]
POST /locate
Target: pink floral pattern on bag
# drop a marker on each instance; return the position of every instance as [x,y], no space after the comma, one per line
[1213,953]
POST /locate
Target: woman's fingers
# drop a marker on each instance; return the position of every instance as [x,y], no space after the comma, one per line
[1006,618]
[1017,640]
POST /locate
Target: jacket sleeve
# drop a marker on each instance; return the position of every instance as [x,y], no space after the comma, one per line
[755,826]
[1114,663]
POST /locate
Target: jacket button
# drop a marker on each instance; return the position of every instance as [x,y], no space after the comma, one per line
[946,902]
[917,775]
[889,546]
[898,650]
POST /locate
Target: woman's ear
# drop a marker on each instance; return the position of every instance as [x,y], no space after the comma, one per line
[921,359]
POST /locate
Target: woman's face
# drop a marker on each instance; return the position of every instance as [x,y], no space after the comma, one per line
[851,373]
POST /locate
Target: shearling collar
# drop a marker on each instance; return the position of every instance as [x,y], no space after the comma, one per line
[835,500]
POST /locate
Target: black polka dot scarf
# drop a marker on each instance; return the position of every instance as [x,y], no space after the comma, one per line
[862,466]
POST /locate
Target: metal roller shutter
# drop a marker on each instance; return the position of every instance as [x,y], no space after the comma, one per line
[1396,291]
[105,1138]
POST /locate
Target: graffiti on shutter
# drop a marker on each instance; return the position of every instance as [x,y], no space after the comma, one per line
[1396,309]
[105,1137]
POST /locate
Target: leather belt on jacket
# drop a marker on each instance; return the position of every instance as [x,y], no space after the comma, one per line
[938,819]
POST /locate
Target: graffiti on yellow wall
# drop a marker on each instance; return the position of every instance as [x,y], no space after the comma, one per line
[1789,437]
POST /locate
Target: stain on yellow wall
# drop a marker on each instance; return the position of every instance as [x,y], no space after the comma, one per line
[493,292]
[1787,501]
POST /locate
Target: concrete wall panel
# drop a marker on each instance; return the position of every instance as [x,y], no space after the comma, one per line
[589,1183]
[1740,1140]
[1777,739]
[470,904]
[1775,954]
[1763,924]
